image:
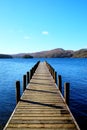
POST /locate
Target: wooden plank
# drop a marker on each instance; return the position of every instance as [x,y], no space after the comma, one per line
[40,128]
[39,125]
[41,106]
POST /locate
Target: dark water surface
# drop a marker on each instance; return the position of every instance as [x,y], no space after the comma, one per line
[72,70]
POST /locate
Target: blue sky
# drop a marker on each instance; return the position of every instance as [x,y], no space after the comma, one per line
[36,25]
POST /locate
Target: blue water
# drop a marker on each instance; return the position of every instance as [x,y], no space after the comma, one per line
[72,70]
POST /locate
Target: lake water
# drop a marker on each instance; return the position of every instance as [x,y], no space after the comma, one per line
[71,69]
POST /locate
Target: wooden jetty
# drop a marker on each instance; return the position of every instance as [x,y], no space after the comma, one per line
[42,107]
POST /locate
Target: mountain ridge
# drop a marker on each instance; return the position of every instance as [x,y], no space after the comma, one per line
[58,52]
[54,53]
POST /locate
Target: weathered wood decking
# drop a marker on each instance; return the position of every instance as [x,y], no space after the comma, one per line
[42,106]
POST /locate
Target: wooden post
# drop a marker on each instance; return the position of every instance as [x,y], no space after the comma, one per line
[24,82]
[55,77]
[66,92]
[27,77]
[54,74]
[17,91]
[52,71]
[30,75]
[33,71]
[60,83]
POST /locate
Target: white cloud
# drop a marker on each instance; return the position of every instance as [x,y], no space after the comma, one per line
[27,37]
[45,32]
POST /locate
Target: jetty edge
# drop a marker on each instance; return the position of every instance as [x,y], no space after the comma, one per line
[41,106]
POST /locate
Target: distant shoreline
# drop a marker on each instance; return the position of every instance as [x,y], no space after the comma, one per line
[55,53]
